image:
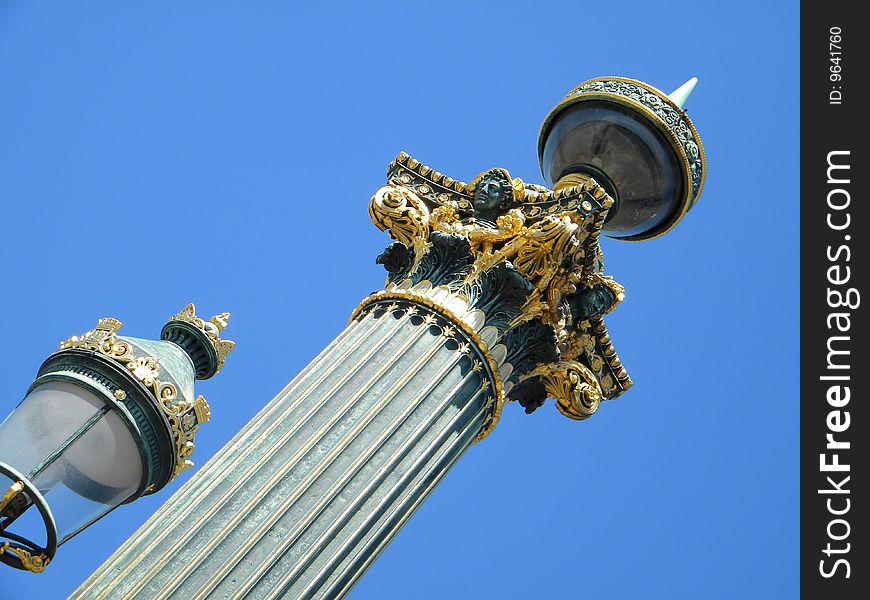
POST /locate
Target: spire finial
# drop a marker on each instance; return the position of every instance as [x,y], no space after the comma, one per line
[681,94]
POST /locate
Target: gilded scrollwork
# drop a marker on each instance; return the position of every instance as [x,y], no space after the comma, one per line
[35,563]
[528,259]
[184,418]
[573,386]
[398,210]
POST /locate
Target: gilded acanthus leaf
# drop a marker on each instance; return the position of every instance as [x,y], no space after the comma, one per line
[528,258]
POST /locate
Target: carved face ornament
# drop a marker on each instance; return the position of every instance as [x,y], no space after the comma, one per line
[596,300]
[493,192]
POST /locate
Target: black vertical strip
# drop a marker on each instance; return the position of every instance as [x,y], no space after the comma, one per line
[834,228]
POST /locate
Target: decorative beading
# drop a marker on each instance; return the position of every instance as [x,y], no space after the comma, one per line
[672,116]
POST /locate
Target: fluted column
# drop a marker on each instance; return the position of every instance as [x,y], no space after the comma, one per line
[494,294]
[308,493]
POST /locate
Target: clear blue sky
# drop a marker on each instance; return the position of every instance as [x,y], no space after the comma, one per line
[153,154]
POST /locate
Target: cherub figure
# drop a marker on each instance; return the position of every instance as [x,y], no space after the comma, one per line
[493,217]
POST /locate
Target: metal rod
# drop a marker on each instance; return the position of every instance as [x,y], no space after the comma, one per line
[69,442]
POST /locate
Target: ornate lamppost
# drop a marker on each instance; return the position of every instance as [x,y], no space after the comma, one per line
[108,419]
[495,293]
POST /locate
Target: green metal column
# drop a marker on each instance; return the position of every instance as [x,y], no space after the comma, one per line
[302,500]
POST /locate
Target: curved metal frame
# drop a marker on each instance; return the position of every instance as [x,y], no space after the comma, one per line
[44,555]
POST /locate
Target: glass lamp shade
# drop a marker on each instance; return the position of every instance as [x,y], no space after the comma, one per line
[75,450]
[636,143]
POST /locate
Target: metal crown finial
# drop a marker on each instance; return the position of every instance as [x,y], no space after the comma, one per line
[200,339]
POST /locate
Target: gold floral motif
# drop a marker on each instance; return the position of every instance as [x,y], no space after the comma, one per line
[202,410]
[33,563]
[445,217]
[100,339]
[507,226]
[538,252]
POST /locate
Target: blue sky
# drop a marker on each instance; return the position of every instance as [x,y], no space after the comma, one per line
[224,153]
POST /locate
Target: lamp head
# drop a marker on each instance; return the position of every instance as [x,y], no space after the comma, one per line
[108,419]
[635,141]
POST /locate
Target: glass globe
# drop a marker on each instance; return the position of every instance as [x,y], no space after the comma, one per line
[79,454]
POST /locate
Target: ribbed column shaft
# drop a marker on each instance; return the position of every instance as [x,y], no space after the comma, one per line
[301,501]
